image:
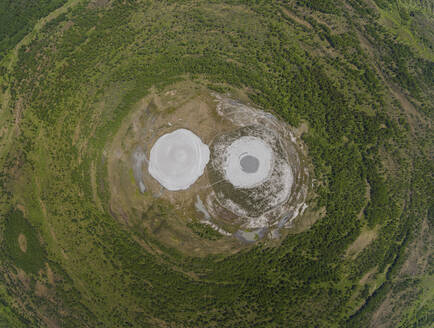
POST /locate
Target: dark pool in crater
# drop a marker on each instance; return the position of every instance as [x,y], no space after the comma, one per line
[249,164]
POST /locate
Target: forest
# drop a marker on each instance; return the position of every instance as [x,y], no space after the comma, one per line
[335,66]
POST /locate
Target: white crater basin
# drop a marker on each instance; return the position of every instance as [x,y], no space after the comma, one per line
[249,162]
[178,159]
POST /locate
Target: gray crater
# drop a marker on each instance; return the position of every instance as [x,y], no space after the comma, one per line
[249,164]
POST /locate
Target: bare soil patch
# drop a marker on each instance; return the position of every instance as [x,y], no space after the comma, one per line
[368,275]
[23,278]
[364,239]
[22,242]
[50,274]
[40,289]
[296,19]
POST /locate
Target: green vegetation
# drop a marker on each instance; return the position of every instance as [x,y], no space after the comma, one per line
[365,95]
[8,315]
[378,209]
[204,231]
[28,256]
[18,18]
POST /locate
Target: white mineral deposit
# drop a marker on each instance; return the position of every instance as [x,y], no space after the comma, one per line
[178,159]
[249,162]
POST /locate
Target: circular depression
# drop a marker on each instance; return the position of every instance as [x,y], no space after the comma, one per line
[249,162]
[178,159]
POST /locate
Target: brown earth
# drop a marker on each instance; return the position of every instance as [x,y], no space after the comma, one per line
[22,242]
[362,241]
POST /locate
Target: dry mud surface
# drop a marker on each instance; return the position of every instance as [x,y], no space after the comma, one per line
[178,159]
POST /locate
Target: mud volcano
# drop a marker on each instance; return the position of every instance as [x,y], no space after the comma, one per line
[251,174]
[249,162]
[178,159]
[189,162]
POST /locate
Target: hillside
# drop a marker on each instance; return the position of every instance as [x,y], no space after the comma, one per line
[82,246]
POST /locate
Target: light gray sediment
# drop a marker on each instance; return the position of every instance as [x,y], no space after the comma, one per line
[138,158]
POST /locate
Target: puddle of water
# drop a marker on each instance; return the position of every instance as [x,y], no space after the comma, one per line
[249,164]
[250,236]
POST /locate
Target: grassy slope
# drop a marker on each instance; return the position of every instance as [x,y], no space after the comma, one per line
[19,17]
[317,73]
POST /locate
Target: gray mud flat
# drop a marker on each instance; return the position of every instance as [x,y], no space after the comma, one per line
[138,158]
[178,159]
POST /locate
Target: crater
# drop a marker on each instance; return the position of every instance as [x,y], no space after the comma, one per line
[178,159]
[249,163]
